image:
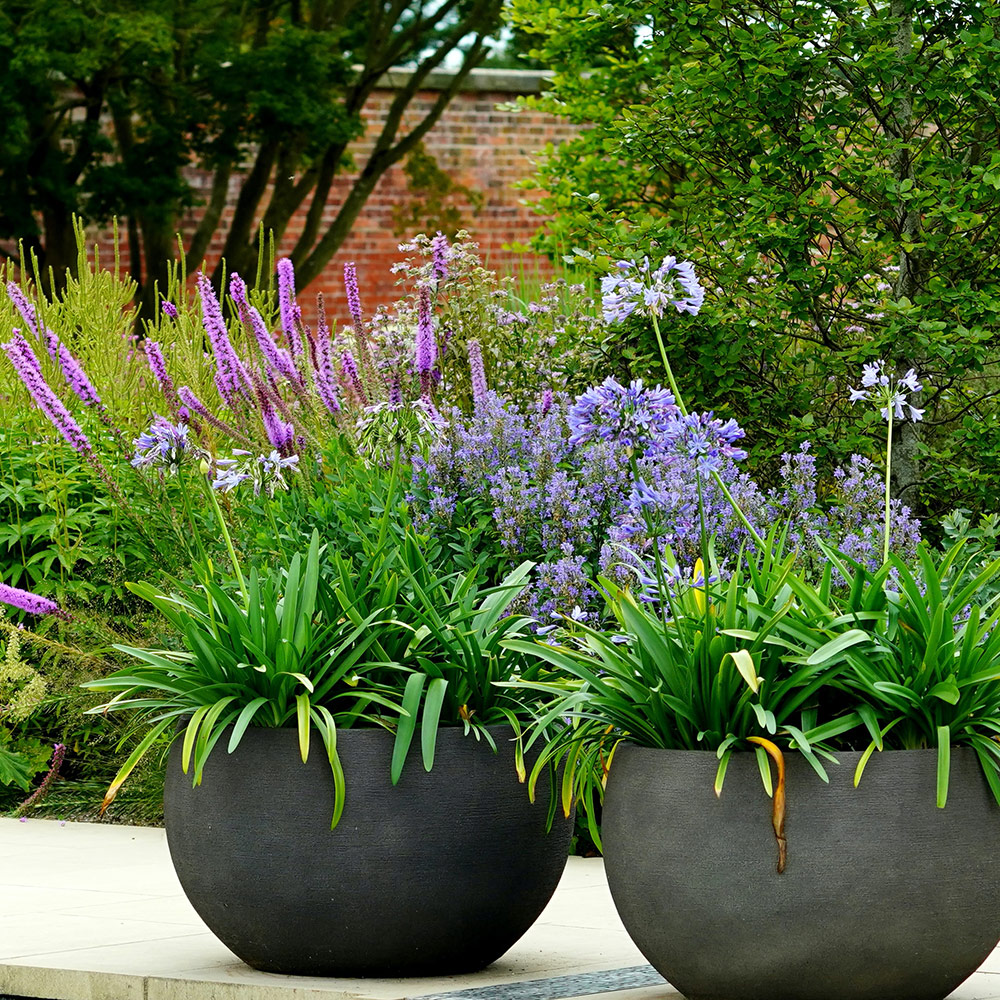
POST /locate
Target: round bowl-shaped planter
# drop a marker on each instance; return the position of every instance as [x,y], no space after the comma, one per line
[883,897]
[438,875]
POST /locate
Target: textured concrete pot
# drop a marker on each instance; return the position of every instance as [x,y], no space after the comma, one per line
[439,875]
[884,896]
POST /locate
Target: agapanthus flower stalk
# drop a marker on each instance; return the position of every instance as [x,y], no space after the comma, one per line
[887,392]
[163,445]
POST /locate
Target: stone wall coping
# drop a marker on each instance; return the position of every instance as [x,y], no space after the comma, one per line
[503,81]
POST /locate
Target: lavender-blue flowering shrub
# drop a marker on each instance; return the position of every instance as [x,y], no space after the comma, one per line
[591,487]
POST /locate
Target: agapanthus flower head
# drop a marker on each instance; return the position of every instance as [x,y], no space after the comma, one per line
[636,417]
[887,391]
[24,600]
[266,472]
[637,286]
[163,445]
[708,441]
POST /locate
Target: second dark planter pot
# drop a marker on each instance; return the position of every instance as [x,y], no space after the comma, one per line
[438,875]
[884,896]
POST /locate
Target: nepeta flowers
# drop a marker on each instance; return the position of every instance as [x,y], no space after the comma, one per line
[880,387]
[638,418]
[637,287]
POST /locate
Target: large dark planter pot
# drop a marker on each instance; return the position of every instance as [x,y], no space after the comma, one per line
[438,875]
[884,896]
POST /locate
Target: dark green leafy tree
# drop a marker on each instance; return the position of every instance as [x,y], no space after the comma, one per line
[104,104]
[834,170]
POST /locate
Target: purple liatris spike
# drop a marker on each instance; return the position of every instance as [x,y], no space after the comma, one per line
[426,347]
[278,360]
[395,394]
[280,434]
[76,377]
[286,304]
[440,252]
[158,366]
[58,753]
[169,309]
[477,372]
[353,296]
[231,378]
[349,367]
[24,600]
[23,306]
[326,379]
[26,365]
[194,405]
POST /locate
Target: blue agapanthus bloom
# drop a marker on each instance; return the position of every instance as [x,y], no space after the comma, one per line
[882,388]
[707,440]
[163,445]
[652,292]
[636,417]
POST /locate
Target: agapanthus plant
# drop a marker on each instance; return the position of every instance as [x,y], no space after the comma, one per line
[888,392]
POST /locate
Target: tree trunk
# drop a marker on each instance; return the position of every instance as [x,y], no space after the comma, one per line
[905,456]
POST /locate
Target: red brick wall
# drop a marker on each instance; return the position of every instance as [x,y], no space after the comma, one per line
[478,146]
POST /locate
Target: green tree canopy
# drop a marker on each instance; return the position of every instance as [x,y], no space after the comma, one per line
[834,169]
[103,105]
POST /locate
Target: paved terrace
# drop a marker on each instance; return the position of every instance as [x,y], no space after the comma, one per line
[93,912]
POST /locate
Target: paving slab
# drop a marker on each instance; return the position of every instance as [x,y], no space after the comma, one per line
[95,912]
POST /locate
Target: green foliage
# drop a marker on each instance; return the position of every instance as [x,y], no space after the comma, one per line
[932,679]
[830,169]
[717,667]
[437,198]
[104,107]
